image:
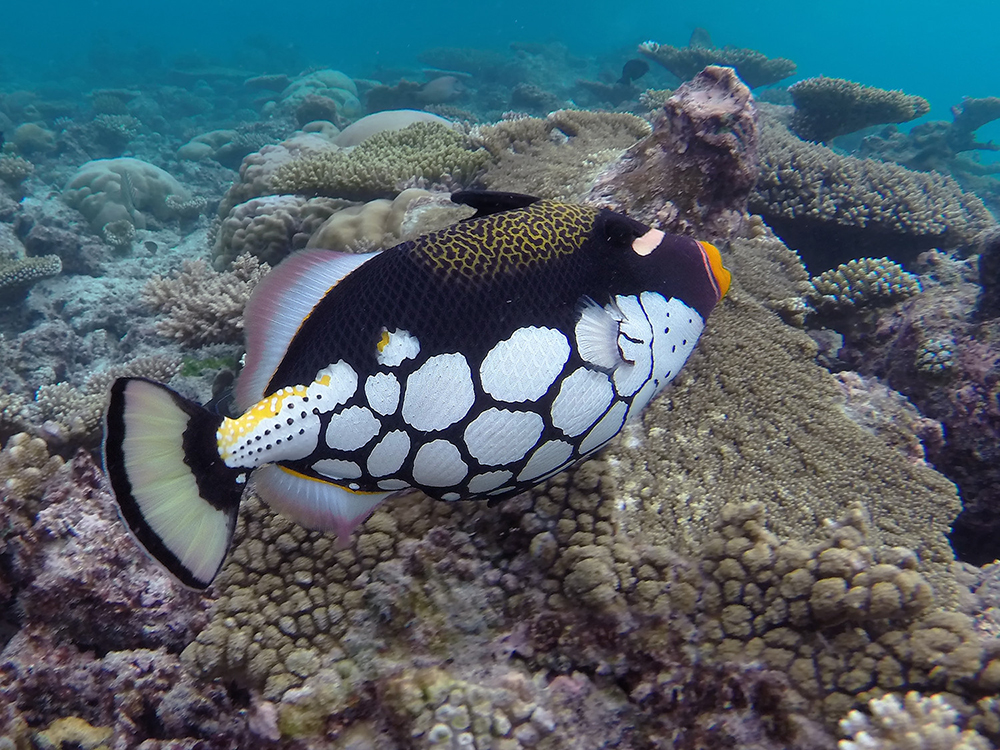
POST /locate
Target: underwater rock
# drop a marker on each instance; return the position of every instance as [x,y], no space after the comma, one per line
[693,175]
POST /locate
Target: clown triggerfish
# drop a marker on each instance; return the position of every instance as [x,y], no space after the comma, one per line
[471,362]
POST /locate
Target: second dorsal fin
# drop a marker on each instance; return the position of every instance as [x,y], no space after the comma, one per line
[488,202]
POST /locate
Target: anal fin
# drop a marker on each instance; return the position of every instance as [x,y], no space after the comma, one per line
[314,503]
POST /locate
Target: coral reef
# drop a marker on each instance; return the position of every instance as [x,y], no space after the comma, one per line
[201,306]
[828,107]
[556,157]
[14,170]
[329,84]
[693,174]
[834,208]
[108,190]
[271,227]
[751,66]
[382,163]
[384,122]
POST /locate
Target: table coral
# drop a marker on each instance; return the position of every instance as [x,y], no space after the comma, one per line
[750,65]
[828,107]
[100,191]
[379,165]
[19,274]
[834,208]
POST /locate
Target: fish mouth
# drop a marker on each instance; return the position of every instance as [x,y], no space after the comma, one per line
[723,278]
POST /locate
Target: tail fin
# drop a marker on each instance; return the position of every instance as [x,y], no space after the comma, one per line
[174,493]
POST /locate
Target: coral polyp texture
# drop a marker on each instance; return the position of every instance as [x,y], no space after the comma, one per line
[910,721]
[755,68]
[828,107]
[834,208]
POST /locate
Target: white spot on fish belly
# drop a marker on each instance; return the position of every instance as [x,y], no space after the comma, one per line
[337,469]
[606,429]
[488,481]
[549,456]
[382,392]
[522,367]
[438,393]
[439,464]
[499,436]
[388,455]
[583,397]
[352,428]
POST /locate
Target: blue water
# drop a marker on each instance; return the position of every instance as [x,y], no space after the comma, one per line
[909,45]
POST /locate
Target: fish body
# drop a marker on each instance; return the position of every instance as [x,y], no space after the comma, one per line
[633,70]
[470,363]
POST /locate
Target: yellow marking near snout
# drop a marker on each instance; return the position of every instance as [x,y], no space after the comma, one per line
[383,342]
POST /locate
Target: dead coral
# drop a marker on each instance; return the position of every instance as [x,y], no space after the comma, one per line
[202,306]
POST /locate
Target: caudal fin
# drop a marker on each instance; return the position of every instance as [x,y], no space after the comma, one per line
[174,493]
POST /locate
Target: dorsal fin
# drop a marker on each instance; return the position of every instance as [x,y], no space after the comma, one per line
[488,202]
[277,308]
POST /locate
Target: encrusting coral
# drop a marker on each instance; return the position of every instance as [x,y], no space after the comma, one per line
[18,274]
[828,107]
[202,306]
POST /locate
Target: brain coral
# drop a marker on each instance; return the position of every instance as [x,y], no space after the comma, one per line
[834,208]
[96,191]
[746,517]
[271,227]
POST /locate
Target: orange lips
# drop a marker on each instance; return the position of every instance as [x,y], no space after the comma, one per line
[723,277]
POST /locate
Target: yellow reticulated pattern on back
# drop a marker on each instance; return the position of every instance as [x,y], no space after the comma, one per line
[496,244]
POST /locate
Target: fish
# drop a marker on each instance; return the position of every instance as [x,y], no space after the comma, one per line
[473,362]
[632,70]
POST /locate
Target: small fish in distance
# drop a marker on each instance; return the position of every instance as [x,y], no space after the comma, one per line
[473,362]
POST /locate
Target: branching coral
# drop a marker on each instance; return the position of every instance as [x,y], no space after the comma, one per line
[14,170]
[202,306]
[828,107]
[862,282]
[377,166]
[25,467]
[753,67]
[917,722]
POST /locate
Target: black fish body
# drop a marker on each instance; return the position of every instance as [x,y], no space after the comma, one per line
[473,362]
